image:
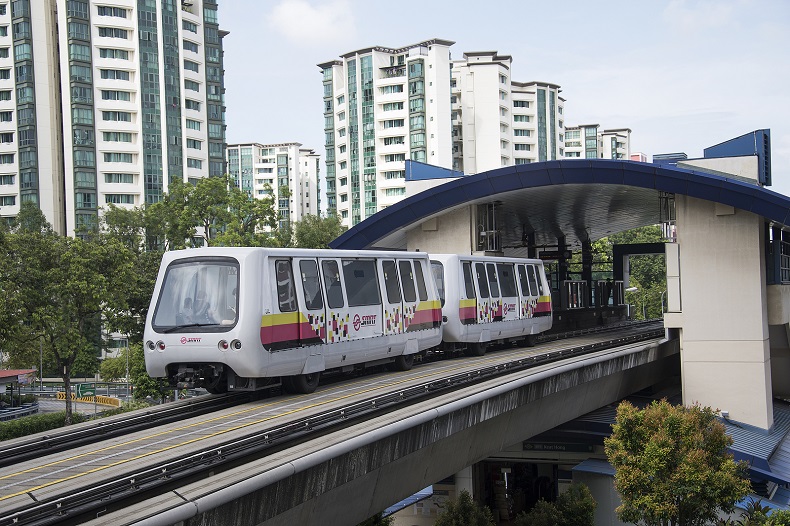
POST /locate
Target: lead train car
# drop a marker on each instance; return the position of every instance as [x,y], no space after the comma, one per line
[233,318]
[487,299]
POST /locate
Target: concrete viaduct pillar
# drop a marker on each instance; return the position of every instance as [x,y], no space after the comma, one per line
[717,298]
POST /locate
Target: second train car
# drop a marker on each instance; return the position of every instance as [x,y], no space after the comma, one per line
[241,318]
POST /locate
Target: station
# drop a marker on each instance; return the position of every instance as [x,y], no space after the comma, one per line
[727,272]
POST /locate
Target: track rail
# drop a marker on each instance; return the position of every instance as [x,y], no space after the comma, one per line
[121,491]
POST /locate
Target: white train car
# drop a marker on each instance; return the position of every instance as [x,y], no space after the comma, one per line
[233,318]
[487,299]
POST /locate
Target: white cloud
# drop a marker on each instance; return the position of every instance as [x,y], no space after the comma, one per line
[308,23]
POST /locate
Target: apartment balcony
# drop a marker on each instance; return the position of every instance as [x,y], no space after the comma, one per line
[390,72]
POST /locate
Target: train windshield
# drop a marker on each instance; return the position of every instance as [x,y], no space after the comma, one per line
[198,295]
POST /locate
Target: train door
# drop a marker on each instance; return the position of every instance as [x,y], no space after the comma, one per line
[280,325]
[528,299]
[493,285]
[467,307]
[409,289]
[312,329]
[338,320]
[393,300]
[484,302]
[363,295]
[506,274]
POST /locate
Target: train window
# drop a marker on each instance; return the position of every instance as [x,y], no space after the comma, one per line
[286,295]
[522,277]
[482,280]
[492,281]
[334,290]
[438,277]
[407,280]
[539,281]
[311,285]
[533,282]
[391,281]
[468,283]
[507,279]
[362,284]
[421,290]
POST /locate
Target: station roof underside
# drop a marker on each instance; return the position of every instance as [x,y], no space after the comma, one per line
[578,199]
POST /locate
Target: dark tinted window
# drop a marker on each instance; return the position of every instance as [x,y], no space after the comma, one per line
[407,281]
[533,282]
[437,269]
[469,285]
[507,279]
[522,277]
[482,280]
[311,285]
[286,294]
[492,281]
[421,290]
[362,286]
[334,290]
[391,281]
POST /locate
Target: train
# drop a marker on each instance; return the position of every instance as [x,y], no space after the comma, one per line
[230,319]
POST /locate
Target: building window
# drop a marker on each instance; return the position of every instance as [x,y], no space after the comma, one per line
[189,26]
[114,74]
[192,104]
[393,123]
[7,158]
[24,95]
[191,85]
[117,136]
[105,52]
[193,125]
[119,199]
[123,116]
[113,32]
[394,157]
[4,31]
[521,104]
[111,11]
[191,66]
[7,179]
[194,163]
[80,73]
[522,118]
[388,141]
[386,90]
[190,46]
[117,157]
[390,192]
[5,74]
[194,144]
[522,133]
[8,200]
[522,147]
[84,158]
[81,116]
[114,177]
[115,95]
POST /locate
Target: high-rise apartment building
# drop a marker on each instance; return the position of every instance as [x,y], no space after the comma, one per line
[106,103]
[286,171]
[587,141]
[498,121]
[381,107]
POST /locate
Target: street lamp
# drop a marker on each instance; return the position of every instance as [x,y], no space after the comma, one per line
[644,305]
[662,302]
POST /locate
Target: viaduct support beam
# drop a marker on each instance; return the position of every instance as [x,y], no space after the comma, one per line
[725,351]
[347,476]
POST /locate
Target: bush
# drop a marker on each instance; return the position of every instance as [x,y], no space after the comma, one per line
[28,425]
[574,507]
[26,399]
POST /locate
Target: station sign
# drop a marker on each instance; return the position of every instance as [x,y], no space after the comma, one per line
[557,446]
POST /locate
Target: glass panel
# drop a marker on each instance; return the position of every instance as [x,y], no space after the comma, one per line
[286,295]
[407,280]
[362,286]
[468,283]
[492,280]
[423,292]
[482,280]
[334,290]
[391,281]
[311,285]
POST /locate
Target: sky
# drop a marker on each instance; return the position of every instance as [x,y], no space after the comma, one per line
[681,74]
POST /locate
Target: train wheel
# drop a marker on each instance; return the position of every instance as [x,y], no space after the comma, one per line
[219,386]
[301,383]
[476,349]
[404,362]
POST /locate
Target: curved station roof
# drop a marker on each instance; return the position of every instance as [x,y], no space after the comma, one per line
[578,199]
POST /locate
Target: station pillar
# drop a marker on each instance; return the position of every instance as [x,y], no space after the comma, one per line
[450,233]
[716,273]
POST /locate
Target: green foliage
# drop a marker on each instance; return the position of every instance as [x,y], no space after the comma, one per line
[144,386]
[672,466]
[779,518]
[465,512]
[544,513]
[574,507]
[377,520]
[28,425]
[126,407]
[647,272]
[316,231]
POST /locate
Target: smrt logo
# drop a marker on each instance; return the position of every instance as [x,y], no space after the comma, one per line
[364,321]
[184,340]
[508,307]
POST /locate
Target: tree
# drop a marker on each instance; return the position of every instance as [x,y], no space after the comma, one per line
[58,290]
[465,512]
[316,231]
[574,507]
[672,466]
[377,520]
[250,222]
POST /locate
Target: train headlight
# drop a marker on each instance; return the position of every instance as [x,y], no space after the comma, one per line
[150,345]
[236,345]
[160,345]
[223,345]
